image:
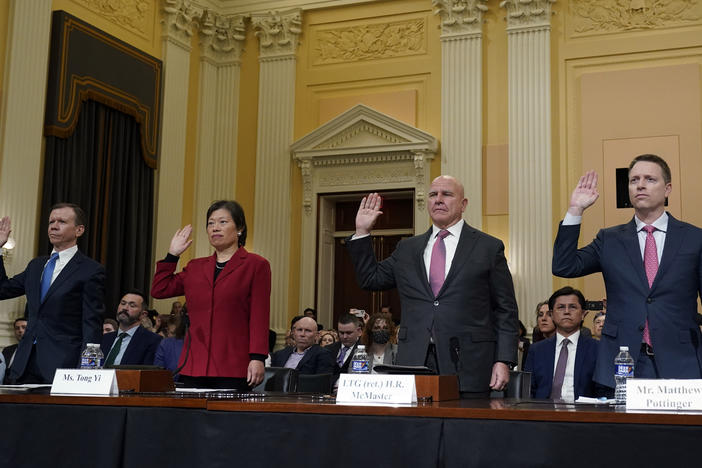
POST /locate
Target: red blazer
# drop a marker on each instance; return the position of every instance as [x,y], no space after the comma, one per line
[229,317]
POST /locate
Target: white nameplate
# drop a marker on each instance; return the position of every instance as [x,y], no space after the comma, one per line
[376,388]
[85,382]
[664,394]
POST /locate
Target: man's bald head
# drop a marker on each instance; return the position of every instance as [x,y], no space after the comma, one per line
[304,333]
[447,201]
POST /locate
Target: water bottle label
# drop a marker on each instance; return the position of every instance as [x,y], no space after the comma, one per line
[88,363]
[359,366]
[624,370]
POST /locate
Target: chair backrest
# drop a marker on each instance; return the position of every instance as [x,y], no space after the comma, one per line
[519,386]
[315,383]
[278,379]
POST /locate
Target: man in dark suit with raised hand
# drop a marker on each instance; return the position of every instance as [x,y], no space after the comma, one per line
[131,344]
[562,366]
[652,269]
[65,294]
[459,314]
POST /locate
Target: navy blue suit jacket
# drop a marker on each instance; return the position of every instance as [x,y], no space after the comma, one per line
[317,360]
[141,349]
[670,304]
[541,360]
[69,317]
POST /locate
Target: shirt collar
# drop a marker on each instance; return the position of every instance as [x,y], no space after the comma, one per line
[455,230]
[129,332]
[573,338]
[661,224]
[67,254]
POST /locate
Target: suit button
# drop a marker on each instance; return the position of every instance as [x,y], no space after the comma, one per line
[649,300]
[436,303]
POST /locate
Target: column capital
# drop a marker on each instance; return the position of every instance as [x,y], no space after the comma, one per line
[526,14]
[278,32]
[460,17]
[179,19]
[222,37]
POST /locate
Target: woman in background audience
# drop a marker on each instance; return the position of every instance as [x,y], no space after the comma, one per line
[161,327]
[597,324]
[228,297]
[545,328]
[326,338]
[376,337]
[169,349]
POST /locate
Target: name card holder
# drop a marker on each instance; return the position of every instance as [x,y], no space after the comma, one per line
[85,382]
[664,394]
[384,389]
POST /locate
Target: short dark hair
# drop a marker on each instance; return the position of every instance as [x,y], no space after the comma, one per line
[237,214]
[19,319]
[112,322]
[310,309]
[566,291]
[137,292]
[654,159]
[347,318]
[295,319]
[80,217]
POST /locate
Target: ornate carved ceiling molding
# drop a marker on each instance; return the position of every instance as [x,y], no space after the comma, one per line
[278,32]
[589,17]
[179,19]
[526,14]
[133,15]
[460,17]
[222,37]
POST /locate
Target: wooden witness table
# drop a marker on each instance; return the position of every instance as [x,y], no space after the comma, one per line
[288,431]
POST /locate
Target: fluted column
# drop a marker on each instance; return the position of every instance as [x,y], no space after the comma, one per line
[221,45]
[278,40]
[529,94]
[24,96]
[461,98]
[178,22]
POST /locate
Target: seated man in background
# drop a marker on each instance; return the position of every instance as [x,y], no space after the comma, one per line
[598,324]
[350,329]
[562,366]
[109,325]
[131,344]
[8,352]
[305,355]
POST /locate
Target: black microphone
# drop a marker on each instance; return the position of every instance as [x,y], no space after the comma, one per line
[185,320]
[455,351]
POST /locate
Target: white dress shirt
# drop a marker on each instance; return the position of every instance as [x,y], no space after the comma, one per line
[123,346]
[64,257]
[568,389]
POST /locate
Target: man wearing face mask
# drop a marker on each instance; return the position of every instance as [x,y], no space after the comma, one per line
[376,336]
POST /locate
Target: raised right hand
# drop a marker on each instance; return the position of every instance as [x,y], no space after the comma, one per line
[368,213]
[181,241]
[5,229]
[584,195]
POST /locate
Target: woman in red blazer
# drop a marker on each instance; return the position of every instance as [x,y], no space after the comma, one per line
[228,299]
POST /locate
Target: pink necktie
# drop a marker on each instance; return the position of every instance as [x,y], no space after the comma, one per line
[651,267]
[437,267]
[559,375]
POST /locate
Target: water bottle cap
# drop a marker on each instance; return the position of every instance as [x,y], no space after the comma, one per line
[362,347]
[623,348]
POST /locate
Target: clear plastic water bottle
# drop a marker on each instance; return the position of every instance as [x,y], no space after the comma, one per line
[359,361]
[623,370]
[92,357]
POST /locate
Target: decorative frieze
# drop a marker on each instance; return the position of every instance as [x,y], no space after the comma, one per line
[278,32]
[133,15]
[370,42]
[609,16]
[460,17]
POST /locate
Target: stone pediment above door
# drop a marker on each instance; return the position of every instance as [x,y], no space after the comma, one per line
[363,149]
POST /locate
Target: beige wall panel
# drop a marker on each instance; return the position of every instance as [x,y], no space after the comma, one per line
[136,22]
[401,105]
[4,12]
[496,180]
[622,109]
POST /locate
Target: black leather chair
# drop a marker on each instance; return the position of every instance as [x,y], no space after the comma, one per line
[315,383]
[519,386]
[278,379]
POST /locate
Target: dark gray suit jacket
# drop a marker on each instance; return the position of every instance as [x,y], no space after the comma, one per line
[317,360]
[475,309]
[69,317]
[670,304]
